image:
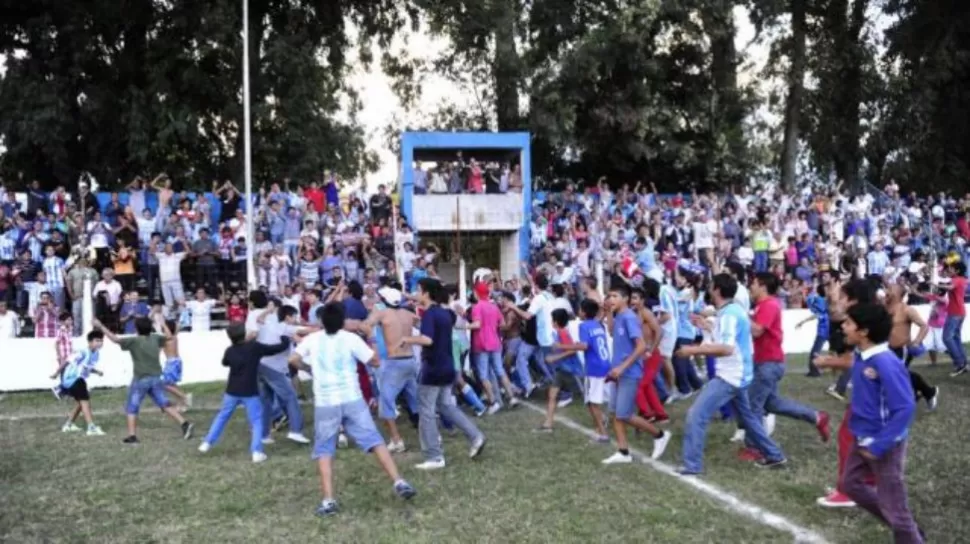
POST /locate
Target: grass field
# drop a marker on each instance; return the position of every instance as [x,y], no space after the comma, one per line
[526,487]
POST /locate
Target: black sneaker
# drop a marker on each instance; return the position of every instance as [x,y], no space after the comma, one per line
[130,440]
[765,463]
[187,428]
[327,508]
[962,370]
[404,490]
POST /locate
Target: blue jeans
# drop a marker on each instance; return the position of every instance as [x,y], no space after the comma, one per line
[273,383]
[760,261]
[685,373]
[820,340]
[953,340]
[711,372]
[764,397]
[254,413]
[397,376]
[715,394]
[522,356]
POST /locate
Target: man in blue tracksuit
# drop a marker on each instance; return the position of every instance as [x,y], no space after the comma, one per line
[882,412]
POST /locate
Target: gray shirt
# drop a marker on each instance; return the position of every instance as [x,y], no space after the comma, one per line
[270,333]
[205,249]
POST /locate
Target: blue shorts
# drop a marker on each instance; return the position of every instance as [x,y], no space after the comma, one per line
[149,386]
[172,373]
[356,421]
[623,401]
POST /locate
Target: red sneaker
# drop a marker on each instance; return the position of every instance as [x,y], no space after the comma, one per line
[749,454]
[835,499]
[822,425]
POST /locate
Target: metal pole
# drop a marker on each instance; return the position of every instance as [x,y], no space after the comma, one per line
[462,280]
[247,157]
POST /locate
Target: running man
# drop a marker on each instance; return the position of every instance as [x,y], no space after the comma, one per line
[627,371]
[146,375]
[732,348]
[769,365]
[901,342]
[73,373]
[331,357]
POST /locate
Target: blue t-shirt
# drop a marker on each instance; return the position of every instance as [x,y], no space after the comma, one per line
[626,331]
[437,362]
[685,307]
[820,309]
[571,363]
[354,309]
[597,354]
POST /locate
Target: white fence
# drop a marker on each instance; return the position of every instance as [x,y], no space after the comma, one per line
[27,363]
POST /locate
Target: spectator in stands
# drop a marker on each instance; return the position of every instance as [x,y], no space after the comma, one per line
[132,308]
[170,274]
[205,250]
[45,317]
[107,299]
[201,310]
[9,322]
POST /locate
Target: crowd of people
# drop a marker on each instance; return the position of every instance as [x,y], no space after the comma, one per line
[695,293]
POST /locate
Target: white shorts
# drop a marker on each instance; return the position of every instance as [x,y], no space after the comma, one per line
[666,347]
[596,391]
[934,340]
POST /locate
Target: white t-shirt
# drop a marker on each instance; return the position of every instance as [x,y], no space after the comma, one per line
[541,308]
[704,234]
[201,314]
[112,288]
[334,359]
[9,325]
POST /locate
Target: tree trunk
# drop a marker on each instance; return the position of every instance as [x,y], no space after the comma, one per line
[796,89]
[727,112]
[505,66]
[849,151]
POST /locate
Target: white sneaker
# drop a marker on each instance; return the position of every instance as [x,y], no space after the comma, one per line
[618,459]
[268,440]
[397,447]
[70,428]
[259,457]
[342,440]
[494,407]
[477,447]
[529,390]
[94,430]
[431,465]
[204,447]
[298,438]
[932,403]
[513,402]
[660,445]
[769,424]
[738,436]
[672,398]
[564,402]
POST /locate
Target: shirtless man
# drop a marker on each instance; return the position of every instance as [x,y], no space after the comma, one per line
[511,330]
[172,370]
[400,369]
[837,345]
[900,339]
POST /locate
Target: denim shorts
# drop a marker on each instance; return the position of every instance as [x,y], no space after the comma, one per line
[152,386]
[489,364]
[356,421]
[623,401]
[172,372]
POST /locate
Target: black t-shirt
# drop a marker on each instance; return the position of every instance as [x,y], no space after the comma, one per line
[437,360]
[243,362]
[229,207]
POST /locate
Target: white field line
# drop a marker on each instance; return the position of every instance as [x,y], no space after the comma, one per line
[728,500]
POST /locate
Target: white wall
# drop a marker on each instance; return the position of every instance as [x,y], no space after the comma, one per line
[27,363]
[443,213]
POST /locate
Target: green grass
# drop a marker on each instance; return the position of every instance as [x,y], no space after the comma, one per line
[525,488]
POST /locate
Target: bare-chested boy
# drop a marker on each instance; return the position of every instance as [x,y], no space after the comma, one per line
[900,339]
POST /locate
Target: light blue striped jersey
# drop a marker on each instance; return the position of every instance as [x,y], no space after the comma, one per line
[78,367]
[334,359]
[733,328]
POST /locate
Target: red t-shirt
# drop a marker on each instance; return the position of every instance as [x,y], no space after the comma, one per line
[767,347]
[316,197]
[954,302]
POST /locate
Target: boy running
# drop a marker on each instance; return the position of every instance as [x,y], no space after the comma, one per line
[172,371]
[73,374]
[596,352]
[567,371]
[146,375]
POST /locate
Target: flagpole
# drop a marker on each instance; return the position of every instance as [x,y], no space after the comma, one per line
[247,155]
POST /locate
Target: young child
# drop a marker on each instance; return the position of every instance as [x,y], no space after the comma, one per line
[596,353]
[242,357]
[882,409]
[73,373]
[172,370]
[567,370]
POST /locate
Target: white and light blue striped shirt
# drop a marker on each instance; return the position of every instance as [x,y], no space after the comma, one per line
[334,359]
[54,269]
[733,328]
[80,366]
[8,246]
